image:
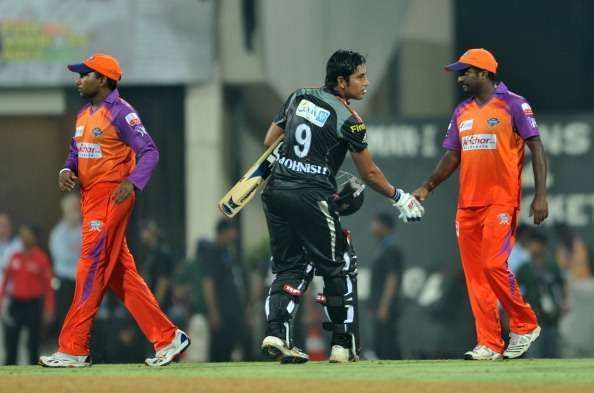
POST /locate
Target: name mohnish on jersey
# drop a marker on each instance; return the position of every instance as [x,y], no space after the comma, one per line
[303,167]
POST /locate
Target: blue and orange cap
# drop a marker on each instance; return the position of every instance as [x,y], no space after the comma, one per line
[479,58]
[100,62]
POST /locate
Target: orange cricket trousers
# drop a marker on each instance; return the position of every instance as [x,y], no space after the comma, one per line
[486,236]
[106,261]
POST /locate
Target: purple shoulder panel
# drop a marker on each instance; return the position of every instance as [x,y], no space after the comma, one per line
[132,132]
[523,119]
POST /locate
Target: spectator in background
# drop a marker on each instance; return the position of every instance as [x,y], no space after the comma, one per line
[543,287]
[157,264]
[572,254]
[9,244]
[519,253]
[64,244]
[26,295]
[225,291]
[386,274]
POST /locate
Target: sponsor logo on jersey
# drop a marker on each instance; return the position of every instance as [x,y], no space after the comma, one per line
[358,127]
[89,150]
[479,142]
[302,167]
[492,122]
[134,121]
[466,125]
[97,132]
[526,109]
[532,122]
[504,219]
[313,113]
[79,131]
[95,225]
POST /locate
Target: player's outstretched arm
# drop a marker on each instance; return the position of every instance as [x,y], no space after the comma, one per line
[448,163]
[372,174]
[539,208]
[410,209]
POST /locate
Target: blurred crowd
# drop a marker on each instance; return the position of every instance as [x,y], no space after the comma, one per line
[219,299]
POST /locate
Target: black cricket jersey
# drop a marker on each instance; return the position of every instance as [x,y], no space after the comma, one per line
[319,130]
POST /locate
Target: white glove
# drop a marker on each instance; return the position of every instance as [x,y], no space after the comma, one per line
[410,209]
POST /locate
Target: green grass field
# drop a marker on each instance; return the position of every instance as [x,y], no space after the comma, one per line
[526,375]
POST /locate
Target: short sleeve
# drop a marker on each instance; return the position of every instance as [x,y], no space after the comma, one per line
[281,118]
[354,132]
[523,119]
[451,141]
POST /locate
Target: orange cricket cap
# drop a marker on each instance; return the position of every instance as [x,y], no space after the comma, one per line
[479,58]
[100,62]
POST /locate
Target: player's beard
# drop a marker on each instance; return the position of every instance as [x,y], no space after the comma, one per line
[88,95]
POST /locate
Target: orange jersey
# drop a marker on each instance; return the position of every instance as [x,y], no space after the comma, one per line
[107,142]
[491,141]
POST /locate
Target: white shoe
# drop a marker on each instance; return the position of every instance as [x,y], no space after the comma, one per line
[482,352]
[340,354]
[520,343]
[61,360]
[167,354]
[278,350]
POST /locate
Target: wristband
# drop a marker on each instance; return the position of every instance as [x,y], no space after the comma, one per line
[397,195]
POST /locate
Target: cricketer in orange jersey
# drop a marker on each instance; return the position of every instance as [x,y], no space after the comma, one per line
[486,139]
[111,155]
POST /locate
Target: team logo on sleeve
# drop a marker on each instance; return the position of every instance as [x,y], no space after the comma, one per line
[527,109]
[134,121]
[313,113]
[532,122]
[358,127]
[97,132]
[466,125]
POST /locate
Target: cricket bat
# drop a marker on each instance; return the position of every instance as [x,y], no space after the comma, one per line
[253,180]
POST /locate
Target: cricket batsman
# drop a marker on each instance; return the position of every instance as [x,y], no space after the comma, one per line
[111,156]
[486,139]
[319,128]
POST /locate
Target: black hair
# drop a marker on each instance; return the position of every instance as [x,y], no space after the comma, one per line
[343,62]
[223,224]
[111,84]
[385,219]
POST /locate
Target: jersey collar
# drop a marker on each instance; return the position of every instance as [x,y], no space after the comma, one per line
[112,97]
[501,88]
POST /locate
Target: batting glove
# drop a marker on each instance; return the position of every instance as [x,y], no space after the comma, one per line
[410,209]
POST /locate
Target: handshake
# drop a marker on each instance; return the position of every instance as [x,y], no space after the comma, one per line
[409,207]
